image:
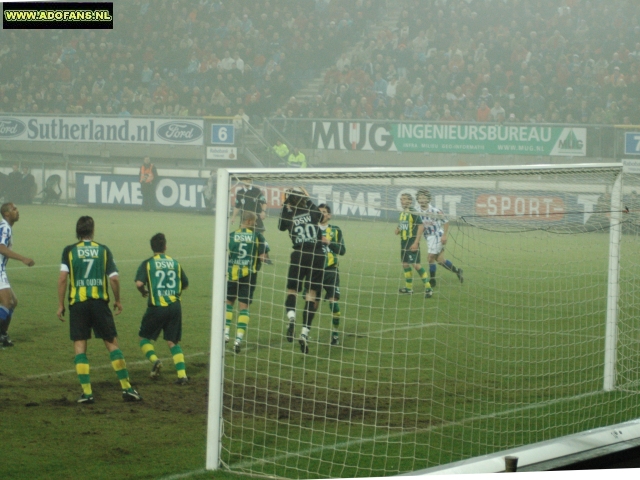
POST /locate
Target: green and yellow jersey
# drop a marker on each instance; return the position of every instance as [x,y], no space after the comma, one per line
[335,248]
[89,264]
[245,247]
[165,279]
[408,225]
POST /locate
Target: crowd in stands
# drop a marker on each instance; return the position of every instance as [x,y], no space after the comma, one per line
[179,57]
[543,61]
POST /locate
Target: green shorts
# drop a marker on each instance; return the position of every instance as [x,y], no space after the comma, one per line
[331,283]
[242,289]
[166,319]
[91,315]
[407,256]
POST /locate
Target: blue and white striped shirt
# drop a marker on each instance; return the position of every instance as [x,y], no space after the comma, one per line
[433,220]
[5,239]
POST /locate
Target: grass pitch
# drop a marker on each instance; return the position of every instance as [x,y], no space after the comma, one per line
[512,356]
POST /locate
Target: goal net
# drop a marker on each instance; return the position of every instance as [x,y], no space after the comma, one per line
[532,331]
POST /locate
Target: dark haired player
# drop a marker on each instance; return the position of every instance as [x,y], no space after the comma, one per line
[89,268]
[333,242]
[436,229]
[162,280]
[8,299]
[300,217]
[410,230]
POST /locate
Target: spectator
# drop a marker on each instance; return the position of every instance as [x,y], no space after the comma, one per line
[483,113]
[497,113]
[13,192]
[297,159]
[281,152]
[148,182]
[209,191]
[28,187]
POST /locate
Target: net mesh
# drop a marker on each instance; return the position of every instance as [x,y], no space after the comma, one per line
[508,351]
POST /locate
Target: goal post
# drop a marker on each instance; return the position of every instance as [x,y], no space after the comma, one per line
[532,331]
[611,333]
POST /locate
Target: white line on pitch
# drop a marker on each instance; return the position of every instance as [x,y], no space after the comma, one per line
[103,367]
[178,476]
[360,441]
[466,325]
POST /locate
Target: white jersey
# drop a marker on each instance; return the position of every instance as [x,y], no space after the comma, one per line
[5,239]
[433,220]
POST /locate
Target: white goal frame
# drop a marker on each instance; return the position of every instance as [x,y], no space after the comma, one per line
[217,354]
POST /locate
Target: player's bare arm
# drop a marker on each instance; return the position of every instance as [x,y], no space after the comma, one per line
[142,289]
[62,290]
[114,281]
[236,210]
[7,252]
[416,245]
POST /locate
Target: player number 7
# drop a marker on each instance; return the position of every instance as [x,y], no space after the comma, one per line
[89,262]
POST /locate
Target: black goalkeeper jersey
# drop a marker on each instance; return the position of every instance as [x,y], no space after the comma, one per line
[302,224]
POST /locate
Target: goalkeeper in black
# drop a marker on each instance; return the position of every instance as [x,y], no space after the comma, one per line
[301,218]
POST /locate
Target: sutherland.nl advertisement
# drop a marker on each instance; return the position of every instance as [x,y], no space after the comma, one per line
[159,131]
[451,138]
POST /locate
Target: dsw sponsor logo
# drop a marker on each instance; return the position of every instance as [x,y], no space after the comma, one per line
[179,131]
[11,127]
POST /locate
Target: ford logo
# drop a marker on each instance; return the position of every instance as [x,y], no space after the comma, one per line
[180,132]
[10,127]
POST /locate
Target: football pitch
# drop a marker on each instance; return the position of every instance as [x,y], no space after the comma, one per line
[512,356]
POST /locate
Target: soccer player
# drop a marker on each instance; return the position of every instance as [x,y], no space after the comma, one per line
[436,228]
[8,299]
[250,199]
[89,268]
[247,250]
[300,217]
[410,230]
[333,242]
[162,280]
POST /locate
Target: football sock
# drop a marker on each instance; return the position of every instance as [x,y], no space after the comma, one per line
[120,366]
[449,266]
[148,350]
[290,307]
[423,275]
[335,310]
[229,318]
[308,314]
[408,278]
[5,316]
[178,360]
[82,369]
[243,321]
[432,270]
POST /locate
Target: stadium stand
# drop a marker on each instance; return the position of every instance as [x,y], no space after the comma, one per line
[543,61]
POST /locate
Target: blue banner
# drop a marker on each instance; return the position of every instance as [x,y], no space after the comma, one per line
[124,191]
[532,207]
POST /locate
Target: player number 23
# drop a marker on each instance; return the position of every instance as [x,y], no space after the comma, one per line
[162,276]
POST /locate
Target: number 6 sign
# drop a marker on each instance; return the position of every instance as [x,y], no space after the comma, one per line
[222,134]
